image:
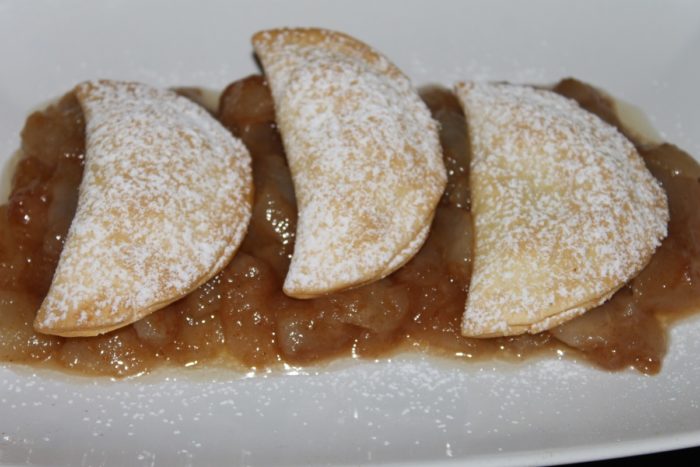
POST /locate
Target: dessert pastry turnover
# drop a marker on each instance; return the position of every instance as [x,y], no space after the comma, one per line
[364,156]
[164,203]
[546,212]
[565,211]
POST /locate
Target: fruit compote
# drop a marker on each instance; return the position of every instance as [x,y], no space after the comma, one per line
[241,319]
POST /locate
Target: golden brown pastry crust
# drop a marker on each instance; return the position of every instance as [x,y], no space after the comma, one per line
[164,203]
[565,210]
[364,155]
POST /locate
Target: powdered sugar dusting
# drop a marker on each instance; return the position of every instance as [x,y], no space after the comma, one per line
[364,155]
[565,210]
[164,203]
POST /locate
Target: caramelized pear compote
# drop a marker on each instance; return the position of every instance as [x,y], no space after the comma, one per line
[241,318]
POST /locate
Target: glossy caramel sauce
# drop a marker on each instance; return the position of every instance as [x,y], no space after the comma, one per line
[241,318]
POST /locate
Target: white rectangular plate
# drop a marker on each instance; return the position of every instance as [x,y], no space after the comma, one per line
[411,409]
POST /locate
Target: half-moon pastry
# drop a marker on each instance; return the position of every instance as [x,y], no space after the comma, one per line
[565,211]
[163,205]
[363,152]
